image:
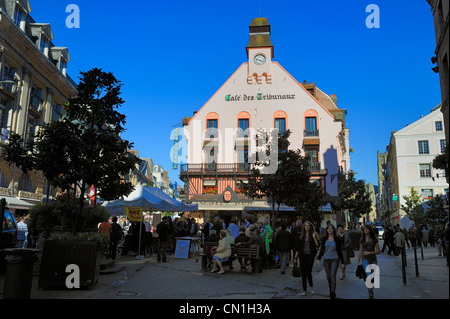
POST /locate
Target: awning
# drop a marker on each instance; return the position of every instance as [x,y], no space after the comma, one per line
[149,198]
[16,203]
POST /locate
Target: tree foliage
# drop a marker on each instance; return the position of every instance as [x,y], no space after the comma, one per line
[353,196]
[84,148]
[413,207]
[289,185]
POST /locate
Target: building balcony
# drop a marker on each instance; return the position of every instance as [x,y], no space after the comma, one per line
[214,169]
[313,133]
[314,167]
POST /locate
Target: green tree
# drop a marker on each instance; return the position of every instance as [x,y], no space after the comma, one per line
[84,148]
[353,196]
[413,207]
[436,213]
[289,184]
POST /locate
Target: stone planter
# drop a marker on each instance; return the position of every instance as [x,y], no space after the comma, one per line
[57,255]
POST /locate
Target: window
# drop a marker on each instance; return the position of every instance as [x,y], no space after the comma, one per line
[18,16]
[243,155]
[63,66]
[210,159]
[423,147]
[438,125]
[311,126]
[211,129]
[243,128]
[4,104]
[36,101]
[2,178]
[43,46]
[427,193]
[313,154]
[25,183]
[57,112]
[280,124]
[442,144]
[425,170]
[31,128]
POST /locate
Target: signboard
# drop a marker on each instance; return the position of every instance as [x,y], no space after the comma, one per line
[182,248]
[395,198]
[134,214]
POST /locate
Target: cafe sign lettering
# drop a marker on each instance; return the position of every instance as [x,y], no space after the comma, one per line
[259,96]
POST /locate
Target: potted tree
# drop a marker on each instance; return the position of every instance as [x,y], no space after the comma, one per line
[84,148]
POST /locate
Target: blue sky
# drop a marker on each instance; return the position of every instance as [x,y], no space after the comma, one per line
[172,56]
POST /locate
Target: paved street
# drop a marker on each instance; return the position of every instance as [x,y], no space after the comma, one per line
[131,278]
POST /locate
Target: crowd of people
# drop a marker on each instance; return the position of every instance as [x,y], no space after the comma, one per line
[301,243]
[396,238]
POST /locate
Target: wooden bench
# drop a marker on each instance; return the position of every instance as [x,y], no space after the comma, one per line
[251,253]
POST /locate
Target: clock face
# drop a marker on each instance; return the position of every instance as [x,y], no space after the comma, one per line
[259,59]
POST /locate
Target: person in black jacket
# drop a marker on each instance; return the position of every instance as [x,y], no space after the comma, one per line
[283,246]
[330,250]
[115,236]
[306,250]
[162,229]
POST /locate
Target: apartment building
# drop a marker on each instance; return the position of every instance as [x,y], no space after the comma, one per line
[34,85]
[409,163]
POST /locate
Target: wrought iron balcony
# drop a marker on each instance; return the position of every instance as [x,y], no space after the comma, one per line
[314,167]
[311,133]
[214,168]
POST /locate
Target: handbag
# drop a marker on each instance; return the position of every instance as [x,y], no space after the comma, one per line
[213,250]
[296,272]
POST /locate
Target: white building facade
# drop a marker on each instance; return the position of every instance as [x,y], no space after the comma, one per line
[410,162]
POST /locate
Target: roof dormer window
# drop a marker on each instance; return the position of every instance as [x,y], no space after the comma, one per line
[63,66]
[44,44]
[19,17]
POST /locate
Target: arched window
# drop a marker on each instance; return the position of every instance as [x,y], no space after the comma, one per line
[280,121]
[243,124]
[311,123]
[212,125]
[26,183]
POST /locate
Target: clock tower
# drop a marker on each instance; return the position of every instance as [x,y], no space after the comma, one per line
[259,52]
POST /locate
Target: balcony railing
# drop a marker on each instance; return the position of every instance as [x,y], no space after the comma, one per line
[213,168]
[314,167]
[211,133]
[311,133]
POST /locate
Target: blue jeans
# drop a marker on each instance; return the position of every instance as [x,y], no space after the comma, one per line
[331,267]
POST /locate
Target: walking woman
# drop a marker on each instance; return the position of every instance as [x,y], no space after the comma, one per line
[306,249]
[331,251]
[346,244]
[368,250]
